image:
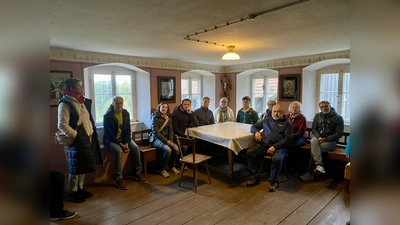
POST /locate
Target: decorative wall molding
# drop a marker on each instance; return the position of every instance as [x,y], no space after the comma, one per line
[289,62]
[93,57]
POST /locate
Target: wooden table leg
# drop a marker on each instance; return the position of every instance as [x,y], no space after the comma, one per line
[231,159]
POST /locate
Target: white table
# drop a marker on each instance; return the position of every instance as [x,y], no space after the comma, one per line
[231,135]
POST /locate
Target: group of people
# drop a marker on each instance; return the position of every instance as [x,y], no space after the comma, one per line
[281,133]
[274,132]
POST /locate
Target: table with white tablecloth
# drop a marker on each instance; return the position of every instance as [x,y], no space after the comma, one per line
[231,135]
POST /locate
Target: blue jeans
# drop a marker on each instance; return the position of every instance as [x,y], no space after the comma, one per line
[134,150]
[316,152]
[258,151]
[169,154]
[297,143]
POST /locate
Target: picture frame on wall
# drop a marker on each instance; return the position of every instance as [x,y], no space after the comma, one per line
[166,89]
[57,79]
[289,87]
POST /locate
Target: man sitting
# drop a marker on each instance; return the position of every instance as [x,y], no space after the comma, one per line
[117,136]
[276,137]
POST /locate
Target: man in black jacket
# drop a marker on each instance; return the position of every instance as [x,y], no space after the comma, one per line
[117,136]
[327,128]
[274,140]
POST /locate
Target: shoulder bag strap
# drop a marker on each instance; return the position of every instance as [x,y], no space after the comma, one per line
[165,123]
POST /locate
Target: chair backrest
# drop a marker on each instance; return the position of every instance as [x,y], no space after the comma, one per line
[190,142]
[141,137]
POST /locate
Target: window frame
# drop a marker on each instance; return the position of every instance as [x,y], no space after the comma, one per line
[113,71]
[266,78]
[190,94]
[339,96]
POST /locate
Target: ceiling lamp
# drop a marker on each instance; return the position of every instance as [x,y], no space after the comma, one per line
[231,55]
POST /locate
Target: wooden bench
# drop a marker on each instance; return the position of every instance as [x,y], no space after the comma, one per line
[338,153]
[147,152]
[107,171]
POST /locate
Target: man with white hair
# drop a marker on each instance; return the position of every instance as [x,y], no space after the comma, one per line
[274,140]
[223,113]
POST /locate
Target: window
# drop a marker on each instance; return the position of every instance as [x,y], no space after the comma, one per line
[191,89]
[263,89]
[334,86]
[104,84]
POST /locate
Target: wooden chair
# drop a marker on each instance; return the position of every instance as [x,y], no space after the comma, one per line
[193,159]
[147,152]
[268,157]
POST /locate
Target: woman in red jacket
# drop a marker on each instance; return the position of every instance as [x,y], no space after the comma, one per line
[299,123]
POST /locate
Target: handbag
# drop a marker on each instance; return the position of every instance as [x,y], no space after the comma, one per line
[63,139]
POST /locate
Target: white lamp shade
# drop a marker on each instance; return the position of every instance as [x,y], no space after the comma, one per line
[231,55]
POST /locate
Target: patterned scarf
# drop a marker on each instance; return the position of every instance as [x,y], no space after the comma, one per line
[223,116]
[293,116]
[81,98]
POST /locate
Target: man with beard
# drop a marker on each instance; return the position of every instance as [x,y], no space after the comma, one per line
[276,137]
[327,128]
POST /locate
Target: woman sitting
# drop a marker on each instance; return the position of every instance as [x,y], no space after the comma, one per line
[162,136]
[299,123]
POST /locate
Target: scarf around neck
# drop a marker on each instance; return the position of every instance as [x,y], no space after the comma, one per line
[81,98]
[223,116]
[294,116]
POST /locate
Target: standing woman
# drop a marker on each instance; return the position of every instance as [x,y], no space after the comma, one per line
[299,123]
[84,153]
[162,136]
[223,113]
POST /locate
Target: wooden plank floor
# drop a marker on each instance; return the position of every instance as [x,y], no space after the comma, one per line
[161,201]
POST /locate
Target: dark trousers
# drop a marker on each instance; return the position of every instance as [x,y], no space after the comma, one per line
[57,181]
[257,152]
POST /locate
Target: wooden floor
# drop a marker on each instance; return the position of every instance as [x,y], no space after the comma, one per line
[161,201]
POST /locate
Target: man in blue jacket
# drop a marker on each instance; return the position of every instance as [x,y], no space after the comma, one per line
[276,137]
[117,136]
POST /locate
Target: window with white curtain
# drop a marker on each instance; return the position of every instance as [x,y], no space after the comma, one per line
[107,82]
[334,87]
[191,89]
[262,90]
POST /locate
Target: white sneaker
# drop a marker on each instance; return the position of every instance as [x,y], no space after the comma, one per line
[307,177]
[319,170]
[164,174]
[175,171]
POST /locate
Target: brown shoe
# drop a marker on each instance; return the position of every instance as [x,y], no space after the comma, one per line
[120,183]
[253,182]
[272,186]
[139,178]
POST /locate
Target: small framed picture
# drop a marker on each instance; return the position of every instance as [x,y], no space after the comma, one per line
[289,87]
[166,89]
[57,79]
